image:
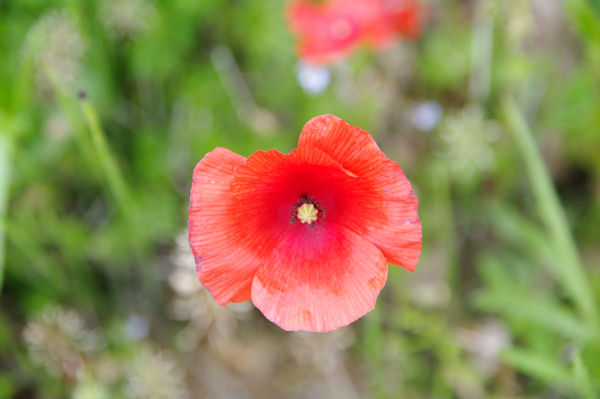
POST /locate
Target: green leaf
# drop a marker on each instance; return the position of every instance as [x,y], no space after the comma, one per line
[540,311]
[551,213]
[595,5]
[528,235]
[540,366]
[581,377]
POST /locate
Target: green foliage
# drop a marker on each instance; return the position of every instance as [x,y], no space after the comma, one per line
[106,106]
[539,365]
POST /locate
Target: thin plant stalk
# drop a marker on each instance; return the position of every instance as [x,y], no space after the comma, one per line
[114,178]
[552,214]
[108,164]
[71,109]
[4,183]
[482,43]
[372,344]
[443,199]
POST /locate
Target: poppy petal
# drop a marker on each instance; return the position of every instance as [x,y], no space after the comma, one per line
[270,183]
[349,145]
[327,32]
[405,16]
[223,266]
[386,206]
[320,284]
[330,30]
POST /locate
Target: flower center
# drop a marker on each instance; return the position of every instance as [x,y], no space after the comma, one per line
[307,213]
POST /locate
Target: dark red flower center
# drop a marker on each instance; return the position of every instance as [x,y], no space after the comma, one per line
[307,210]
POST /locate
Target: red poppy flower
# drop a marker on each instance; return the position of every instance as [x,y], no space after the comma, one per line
[331,29]
[307,236]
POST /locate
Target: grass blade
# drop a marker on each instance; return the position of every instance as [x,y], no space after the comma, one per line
[581,377]
[543,367]
[108,164]
[552,214]
[536,310]
[4,183]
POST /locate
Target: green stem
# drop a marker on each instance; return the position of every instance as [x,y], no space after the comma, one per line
[109,166]
[372,344]
[114,178]
[70,107]
[4,183]
[552,214]
[445,229]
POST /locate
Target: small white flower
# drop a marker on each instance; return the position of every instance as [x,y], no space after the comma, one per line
[58,339]
[427,115]
[313,79]
[137,327]
[467,137]
[155,375]
[87,388]
[125,18]
[58,48]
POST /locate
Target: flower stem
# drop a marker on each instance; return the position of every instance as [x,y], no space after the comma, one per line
[552,214]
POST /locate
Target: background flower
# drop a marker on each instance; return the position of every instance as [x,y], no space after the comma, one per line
[467,141]
[155,374]
[126,18]
[58,47]
[329,30]
[59,340]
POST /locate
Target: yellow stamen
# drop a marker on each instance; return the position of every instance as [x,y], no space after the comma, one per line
[307,213]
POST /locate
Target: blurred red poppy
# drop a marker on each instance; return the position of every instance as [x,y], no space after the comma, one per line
[331,29]
[307,236]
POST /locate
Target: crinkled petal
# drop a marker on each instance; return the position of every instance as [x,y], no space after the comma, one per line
[225,262]
[321,281]
[270,183]
[240,208]
[385,206]
[349,145]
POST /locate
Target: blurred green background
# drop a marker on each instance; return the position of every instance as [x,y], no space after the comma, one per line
[106,106]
